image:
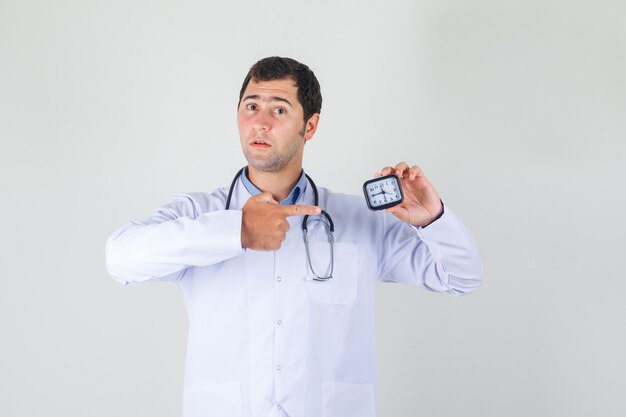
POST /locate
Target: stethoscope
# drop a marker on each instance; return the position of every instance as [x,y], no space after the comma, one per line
[329,225]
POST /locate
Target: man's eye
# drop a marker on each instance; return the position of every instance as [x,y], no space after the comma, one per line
[280,110]
[250,106]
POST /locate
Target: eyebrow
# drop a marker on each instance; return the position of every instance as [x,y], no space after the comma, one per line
[273,98]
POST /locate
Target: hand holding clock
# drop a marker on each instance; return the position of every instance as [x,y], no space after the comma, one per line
[421,205]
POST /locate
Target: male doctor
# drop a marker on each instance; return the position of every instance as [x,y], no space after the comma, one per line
[278,327]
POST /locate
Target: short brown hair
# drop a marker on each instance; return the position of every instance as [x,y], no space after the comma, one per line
[278,68]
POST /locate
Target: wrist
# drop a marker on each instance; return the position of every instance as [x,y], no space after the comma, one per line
[437,217]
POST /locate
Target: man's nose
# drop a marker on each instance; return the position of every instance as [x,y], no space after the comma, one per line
[261,121]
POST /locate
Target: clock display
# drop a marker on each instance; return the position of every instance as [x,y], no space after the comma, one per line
[383,192]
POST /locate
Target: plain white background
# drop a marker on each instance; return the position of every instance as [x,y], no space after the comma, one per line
[515,109]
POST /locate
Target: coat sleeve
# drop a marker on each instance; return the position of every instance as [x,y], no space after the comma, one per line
[441,257]
[178,235]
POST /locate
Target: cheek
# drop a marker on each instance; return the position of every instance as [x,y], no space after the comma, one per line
[242,124]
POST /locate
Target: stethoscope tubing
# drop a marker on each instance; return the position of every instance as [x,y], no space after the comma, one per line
[330,227]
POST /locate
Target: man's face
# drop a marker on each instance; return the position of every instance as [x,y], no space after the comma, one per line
[271,126]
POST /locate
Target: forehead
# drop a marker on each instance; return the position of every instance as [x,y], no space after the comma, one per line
[284,88]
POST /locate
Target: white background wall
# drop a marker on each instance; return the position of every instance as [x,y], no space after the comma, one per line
[515,109]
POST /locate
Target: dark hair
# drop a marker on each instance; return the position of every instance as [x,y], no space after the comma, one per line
[278,68]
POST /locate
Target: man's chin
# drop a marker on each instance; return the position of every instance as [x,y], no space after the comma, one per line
[264,165]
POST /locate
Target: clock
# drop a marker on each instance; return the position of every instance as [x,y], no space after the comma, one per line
[383,192]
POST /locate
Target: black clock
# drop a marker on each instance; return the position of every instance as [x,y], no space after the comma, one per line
[383,192]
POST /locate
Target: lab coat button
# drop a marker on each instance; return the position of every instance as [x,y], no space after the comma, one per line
[278,367]
[280,322]
[280,407]
[279,279]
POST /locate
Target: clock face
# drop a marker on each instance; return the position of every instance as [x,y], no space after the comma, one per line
[383,192]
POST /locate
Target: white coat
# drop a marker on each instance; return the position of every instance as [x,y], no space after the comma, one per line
[264,338]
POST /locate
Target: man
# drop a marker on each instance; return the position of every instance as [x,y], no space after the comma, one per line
[279,326]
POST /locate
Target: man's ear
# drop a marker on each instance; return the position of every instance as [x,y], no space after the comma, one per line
[311,126]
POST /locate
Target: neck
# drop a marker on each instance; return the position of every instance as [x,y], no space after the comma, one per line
[278,184]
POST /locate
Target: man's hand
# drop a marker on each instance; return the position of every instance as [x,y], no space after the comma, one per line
[264,224]
[421,204]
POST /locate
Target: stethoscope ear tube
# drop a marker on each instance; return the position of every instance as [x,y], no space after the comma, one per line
[232,187]
[316,201]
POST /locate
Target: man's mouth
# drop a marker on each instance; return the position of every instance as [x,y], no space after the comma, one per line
[259,143]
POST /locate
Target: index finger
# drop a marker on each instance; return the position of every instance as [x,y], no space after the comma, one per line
[300,210]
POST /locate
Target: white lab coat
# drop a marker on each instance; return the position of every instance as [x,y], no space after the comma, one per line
[264,338]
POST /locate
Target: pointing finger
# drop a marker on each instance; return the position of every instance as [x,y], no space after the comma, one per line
[299,210]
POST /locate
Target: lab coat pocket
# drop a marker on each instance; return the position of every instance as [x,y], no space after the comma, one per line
[342,287]
[341,399]
[213,400]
